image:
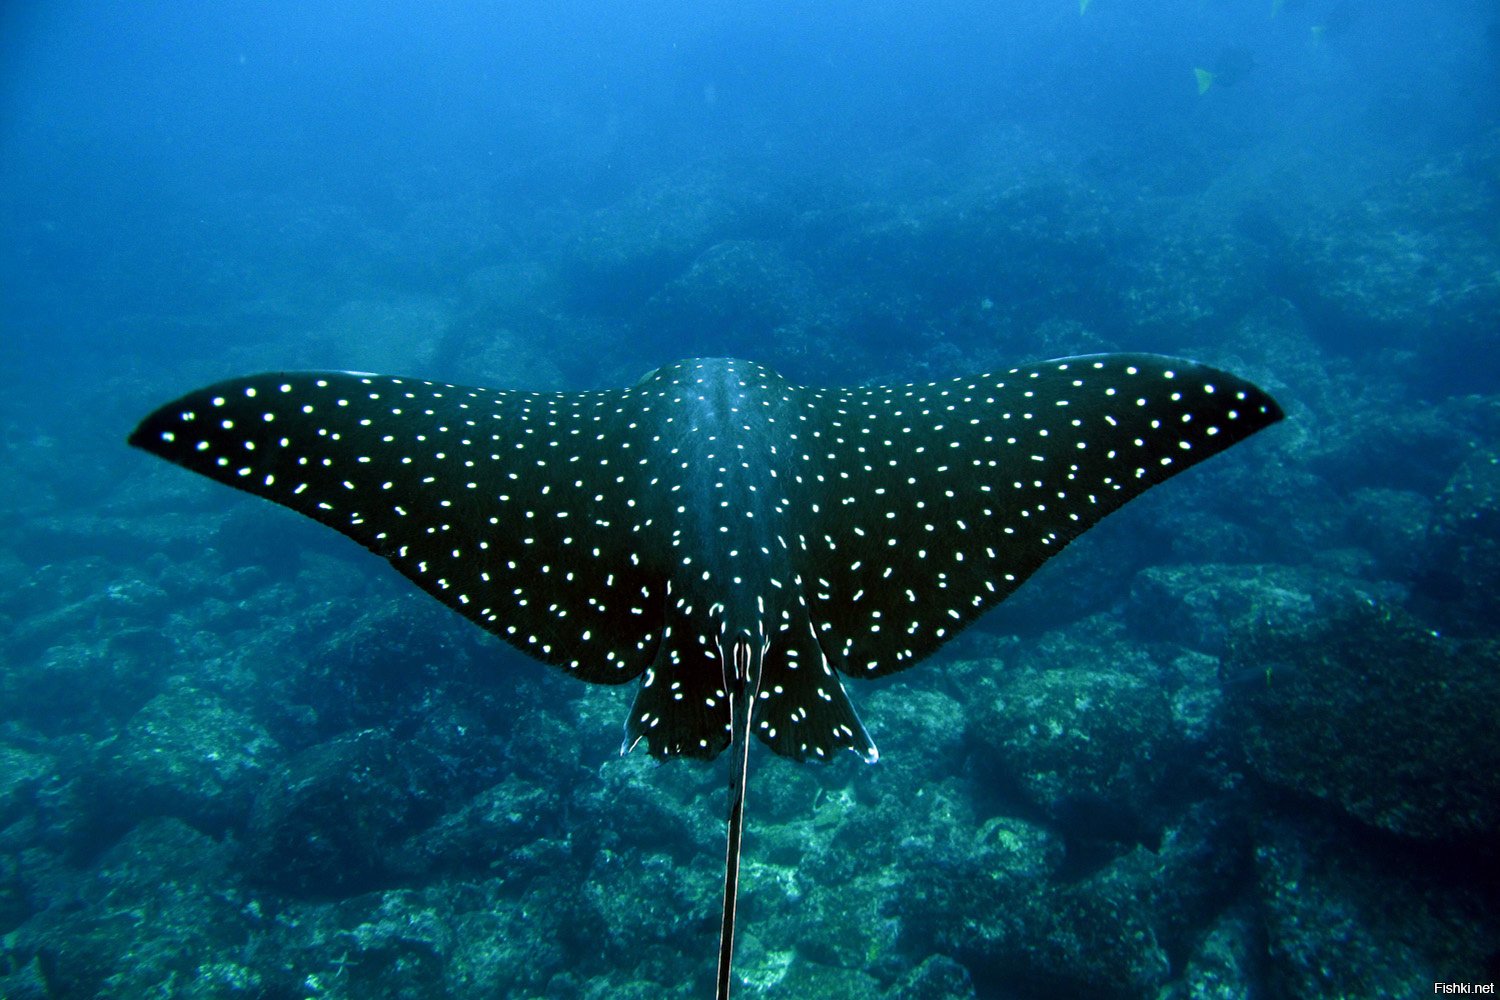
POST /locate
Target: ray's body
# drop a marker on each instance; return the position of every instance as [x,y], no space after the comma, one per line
[733,540]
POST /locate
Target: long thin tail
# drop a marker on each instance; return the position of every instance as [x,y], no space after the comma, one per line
[741,760]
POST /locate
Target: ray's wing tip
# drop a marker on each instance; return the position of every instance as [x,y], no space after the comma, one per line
[1274,412]
[1270,411]
[150,434]
[138,437]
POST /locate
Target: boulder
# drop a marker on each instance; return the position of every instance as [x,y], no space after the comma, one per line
[1358,705]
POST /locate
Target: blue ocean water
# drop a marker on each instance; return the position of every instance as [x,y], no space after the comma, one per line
[1239,740]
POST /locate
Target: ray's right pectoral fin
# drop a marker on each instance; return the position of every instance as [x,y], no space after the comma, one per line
[802,711]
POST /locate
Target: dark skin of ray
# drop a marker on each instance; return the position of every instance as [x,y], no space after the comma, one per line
[715,513]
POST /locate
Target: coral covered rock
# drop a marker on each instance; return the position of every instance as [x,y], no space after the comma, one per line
[190,754]
[1089,747]
[1464,535]
[1358,705]
[327,821]
[1346,918]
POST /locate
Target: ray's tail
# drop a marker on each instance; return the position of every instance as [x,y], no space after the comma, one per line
[741,703]
[732,856]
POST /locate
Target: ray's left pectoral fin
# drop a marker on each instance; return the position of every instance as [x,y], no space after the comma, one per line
[801,710]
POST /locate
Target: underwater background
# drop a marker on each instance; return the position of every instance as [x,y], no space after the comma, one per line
[1241,740]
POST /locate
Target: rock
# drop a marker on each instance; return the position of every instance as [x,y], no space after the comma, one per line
[508,829]
[70,810]
[25,983]
[673,806]
[1358,705]
[1090,748]
[639,242]
[784,796]
[1356,919]
[1225,963]
[188,753]
[1040,938]
[638,906]
[1409,263]
[1464,536]
[400,947]
[1198,606]
[163,918]
[329,820]
[96,677]
[15,907]
[1109,933]
[21,772]
[465,938]
[795,908]
[811,981]
[937,978]
[1196,699]
[1159,301]
[914,728]
[738,297]
[1419,446]
[1392,526]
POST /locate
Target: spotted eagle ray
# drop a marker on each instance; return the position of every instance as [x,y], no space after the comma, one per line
[733,540]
